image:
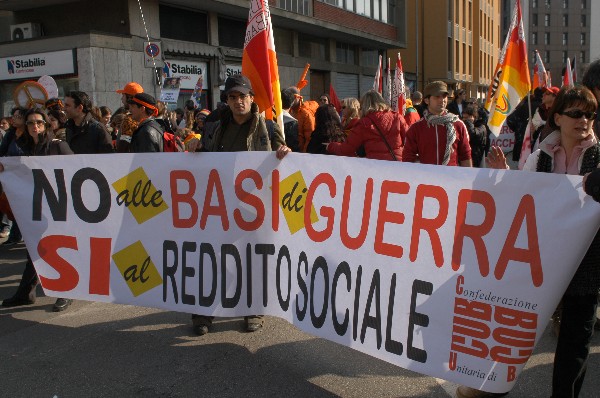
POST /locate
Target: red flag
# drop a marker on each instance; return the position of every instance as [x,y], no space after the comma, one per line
[259,60]
[335,101]
[568,76]
[398,89]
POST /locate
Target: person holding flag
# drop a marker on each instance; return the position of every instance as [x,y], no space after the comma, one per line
[240,128]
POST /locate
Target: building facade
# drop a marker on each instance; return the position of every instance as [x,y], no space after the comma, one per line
[456,41]
[98,47]
[561,29]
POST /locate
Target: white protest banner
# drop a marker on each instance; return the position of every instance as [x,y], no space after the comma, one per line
[448,271]
[505,139]
[170,89]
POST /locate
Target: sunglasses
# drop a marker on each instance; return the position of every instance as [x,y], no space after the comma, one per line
[578,113]
[38,122]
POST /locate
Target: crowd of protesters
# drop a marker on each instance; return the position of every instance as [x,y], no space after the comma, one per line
[430,130]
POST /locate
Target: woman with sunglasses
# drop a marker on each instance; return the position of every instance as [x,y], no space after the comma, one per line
[38,141]
[572,148]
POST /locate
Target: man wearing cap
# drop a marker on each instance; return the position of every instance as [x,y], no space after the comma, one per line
[128,92]
[240,128]
[439,137]
[148,137]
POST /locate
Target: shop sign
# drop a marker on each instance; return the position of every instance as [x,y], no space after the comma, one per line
[189,72]
[36,65]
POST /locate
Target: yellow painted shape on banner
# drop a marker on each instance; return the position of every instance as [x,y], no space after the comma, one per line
[292,198]
[137,268]
[140,195]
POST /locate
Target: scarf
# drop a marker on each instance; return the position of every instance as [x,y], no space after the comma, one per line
[447,120]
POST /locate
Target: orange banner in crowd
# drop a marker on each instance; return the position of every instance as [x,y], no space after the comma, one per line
[511,80]
[259,60]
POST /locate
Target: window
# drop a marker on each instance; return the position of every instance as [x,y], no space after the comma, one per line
[283,41]
[582,57]
[546,19]
[565,3]
[180,24]
[565,38]
[533,3]
[583,20]
[369,57]
[547,2]
[297,6]
[546,57]
[232,32]
[534,40]
[582,39]
[583,4]
[565,20]
[546,38]
[345,53]
[534,21]
[313,47]
[565,56]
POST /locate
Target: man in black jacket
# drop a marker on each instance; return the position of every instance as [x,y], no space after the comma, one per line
[85,135]
[148,137]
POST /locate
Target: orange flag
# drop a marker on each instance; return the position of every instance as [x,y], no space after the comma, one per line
[259,60]
[511,79]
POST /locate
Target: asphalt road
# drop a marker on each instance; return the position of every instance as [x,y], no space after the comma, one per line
[108,350]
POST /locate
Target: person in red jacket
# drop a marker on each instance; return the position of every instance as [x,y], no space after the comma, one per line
[380,131]
[439,137]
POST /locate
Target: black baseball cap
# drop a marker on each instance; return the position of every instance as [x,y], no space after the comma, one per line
[238,83]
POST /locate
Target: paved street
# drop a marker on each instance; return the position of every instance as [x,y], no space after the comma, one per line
[106,350]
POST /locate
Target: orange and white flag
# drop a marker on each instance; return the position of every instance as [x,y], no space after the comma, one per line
[511,79]
[540,78]
[259,60]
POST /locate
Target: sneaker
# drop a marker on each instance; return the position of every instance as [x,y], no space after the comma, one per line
[61,304]
[468,392]
[254,322]
[201,324]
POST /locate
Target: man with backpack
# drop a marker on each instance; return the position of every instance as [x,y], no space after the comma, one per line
[148,137]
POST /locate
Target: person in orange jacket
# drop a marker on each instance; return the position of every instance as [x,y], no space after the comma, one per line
[304,112]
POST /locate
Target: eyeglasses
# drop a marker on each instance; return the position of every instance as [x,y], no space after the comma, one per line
[578,113]
[237,97]
[32,122]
